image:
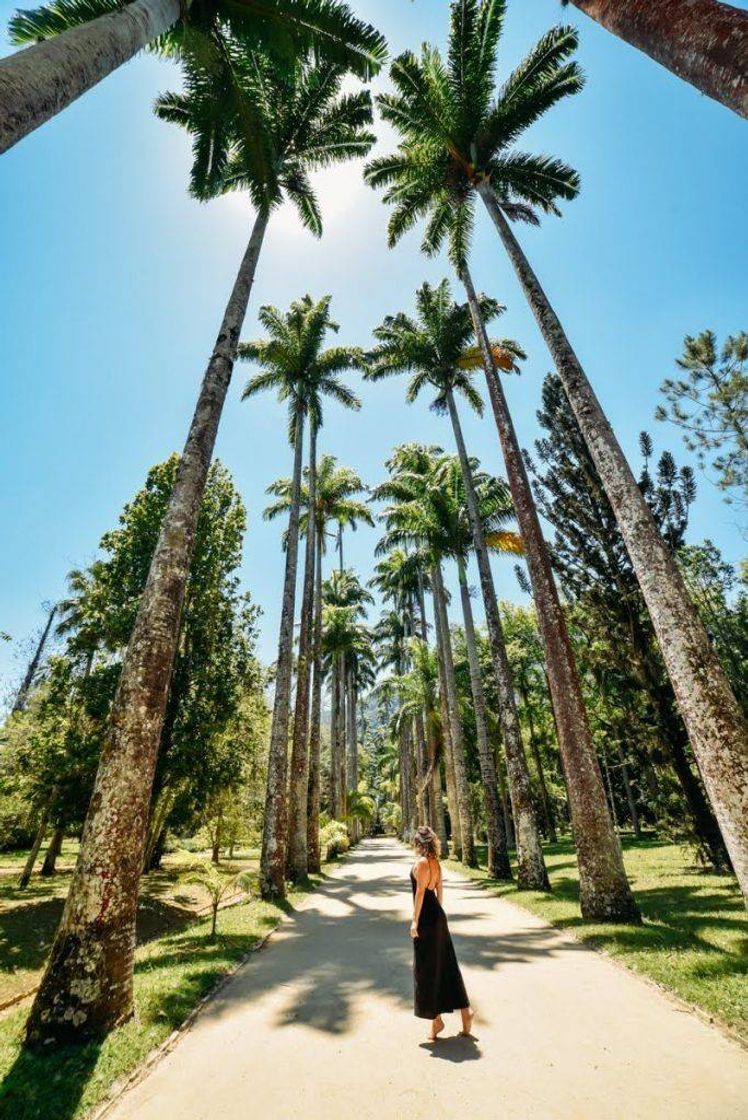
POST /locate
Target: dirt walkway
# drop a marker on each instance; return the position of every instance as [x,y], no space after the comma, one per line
[319,1025]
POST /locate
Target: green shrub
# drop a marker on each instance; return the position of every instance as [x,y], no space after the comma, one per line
[333,839]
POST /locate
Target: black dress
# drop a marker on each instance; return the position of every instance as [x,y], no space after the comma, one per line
[436,974]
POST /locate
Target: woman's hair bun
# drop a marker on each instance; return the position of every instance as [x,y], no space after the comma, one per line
[426,842]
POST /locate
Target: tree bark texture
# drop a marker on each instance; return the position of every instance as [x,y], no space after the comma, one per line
[705,42]
[39,81]
[313,804]
[273,853]
[298,794]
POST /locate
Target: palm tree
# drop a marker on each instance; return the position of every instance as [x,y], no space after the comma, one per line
[307,123]
[457,139]
[704,42]
[435,350]
[293,362]
[76,43]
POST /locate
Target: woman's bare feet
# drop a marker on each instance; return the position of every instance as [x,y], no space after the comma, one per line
[467,1020]
[437,1027]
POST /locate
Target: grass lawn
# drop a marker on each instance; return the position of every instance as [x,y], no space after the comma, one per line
[29,918]
[694,938]
[171,974]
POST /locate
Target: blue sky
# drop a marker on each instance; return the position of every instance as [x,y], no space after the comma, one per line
[114,283]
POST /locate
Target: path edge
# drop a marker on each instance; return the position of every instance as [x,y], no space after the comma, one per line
[141,1071]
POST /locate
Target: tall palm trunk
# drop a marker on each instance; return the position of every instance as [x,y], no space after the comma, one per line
[408,775]
[334,738]
[550,824]
[705,42]
[498,854]
[423,792]
[462,788]
[39,81]
[20,701]
[313,804]
[273,853]
[298,792]
[440,824]
[531,872]
[454,816]
[87,985]
[351,743]
[604,891]
[715,724]
[341,750]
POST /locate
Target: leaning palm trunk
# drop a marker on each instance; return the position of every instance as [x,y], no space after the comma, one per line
[314,858]
[41,80]
[705,42]
[49,865]
[298,792]
[87,985]
[713,718]
[462,788]
[454,816]
[604,891]
[273,854]
[498,854]
[20,701]
[531,872]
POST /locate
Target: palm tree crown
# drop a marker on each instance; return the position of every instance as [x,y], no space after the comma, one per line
[259,128]
[293,362]
[437,348]
[457,131]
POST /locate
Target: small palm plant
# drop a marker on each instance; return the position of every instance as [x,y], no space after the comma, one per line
[218,887]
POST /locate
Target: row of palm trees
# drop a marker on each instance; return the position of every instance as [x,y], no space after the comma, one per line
[438,350]
[263,110]
[457,134]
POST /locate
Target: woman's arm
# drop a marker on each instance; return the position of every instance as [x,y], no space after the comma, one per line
[439,892]
[422,878]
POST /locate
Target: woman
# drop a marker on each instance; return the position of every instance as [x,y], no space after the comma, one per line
[436,974]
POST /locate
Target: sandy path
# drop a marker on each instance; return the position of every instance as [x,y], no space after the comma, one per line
[319,1024]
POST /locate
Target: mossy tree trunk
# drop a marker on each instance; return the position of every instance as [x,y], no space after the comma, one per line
[87,985]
